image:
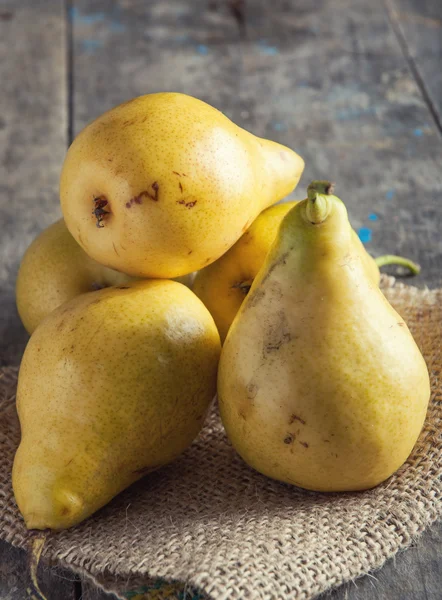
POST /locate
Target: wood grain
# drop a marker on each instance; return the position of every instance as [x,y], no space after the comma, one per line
[33,127]
[419,22]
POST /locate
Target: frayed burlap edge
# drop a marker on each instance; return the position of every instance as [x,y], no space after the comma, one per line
[215,525]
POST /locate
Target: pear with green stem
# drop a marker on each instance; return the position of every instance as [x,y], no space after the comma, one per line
[224,284]
[320,382]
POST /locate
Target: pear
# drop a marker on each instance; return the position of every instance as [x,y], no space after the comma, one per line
[55,269]
[224,284]
[321,383]
[112,385]
[164,184]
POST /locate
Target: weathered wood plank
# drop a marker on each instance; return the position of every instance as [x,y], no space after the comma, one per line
[57,584]
[33,127]
[32,143]
[419,24]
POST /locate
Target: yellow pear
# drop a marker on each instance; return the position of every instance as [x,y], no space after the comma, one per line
[224,284]
[113,385]
[55,269]
[320,382]
[164,184]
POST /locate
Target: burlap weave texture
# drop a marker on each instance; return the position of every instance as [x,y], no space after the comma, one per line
[210,521]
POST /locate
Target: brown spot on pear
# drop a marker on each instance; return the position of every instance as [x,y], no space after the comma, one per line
[233,174]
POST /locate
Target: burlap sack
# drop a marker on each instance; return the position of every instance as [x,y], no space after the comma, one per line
[211,523]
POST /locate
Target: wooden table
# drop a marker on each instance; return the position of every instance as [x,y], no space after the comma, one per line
[355,86]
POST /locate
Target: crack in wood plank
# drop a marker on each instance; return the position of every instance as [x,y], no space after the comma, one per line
[393,17]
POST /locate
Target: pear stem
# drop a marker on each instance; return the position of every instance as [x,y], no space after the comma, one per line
[38,541]
[320,187]
[318,207]
[391,259]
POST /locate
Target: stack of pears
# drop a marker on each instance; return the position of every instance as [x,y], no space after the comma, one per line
[320,383]
[122,362]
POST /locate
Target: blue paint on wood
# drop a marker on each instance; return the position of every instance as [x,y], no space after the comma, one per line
[364,234]
[98,17]
[266,49]
[202,49]
[373,217]
[418,132]
[91,45]
[117,27]
[347,114]
[390,194]
[182,37]
[89,19]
